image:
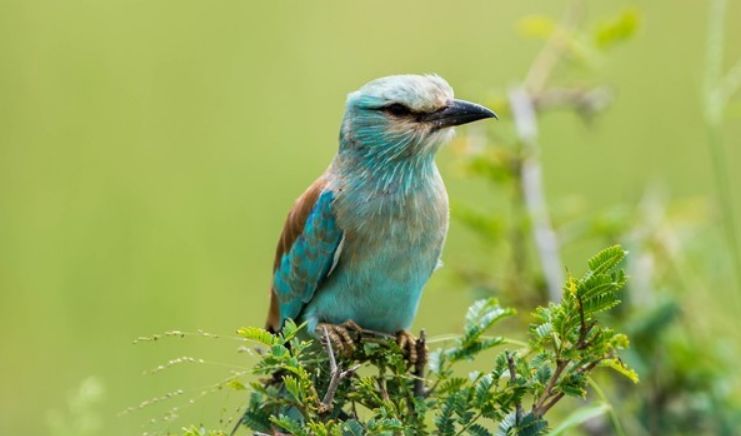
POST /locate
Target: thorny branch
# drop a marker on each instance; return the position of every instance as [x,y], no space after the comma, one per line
[336,375]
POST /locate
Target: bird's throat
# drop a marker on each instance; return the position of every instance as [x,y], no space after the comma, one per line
[387,178]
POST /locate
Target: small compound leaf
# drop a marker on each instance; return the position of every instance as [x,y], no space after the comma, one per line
[621,368]
[258,334]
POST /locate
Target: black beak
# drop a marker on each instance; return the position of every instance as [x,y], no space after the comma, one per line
[459,112]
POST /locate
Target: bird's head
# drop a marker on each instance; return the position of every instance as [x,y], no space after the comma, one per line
[402,117]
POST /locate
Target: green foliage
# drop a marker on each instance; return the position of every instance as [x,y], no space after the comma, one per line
[194,430]
[380,392]
[618,29]
[691,382]
[690,373]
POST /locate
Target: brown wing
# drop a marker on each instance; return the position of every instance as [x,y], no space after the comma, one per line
[292,228]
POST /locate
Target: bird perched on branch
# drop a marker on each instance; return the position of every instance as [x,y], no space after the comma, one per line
[361,242]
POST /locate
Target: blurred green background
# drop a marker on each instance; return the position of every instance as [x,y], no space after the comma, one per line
[149,152]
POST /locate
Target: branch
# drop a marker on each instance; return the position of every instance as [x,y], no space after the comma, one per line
[531,181]
[584,329]
[546,407]
[512,377]
[419,365]
[336,375]
[539,407]
[550,398]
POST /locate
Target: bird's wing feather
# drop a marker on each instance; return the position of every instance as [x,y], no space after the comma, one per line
[306,253]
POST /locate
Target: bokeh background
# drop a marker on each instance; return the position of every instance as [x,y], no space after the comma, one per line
[150,150]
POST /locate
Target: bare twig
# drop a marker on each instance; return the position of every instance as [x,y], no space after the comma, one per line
[419,365]
[531,182]
[382,387]
[512,377]
[336,375]
[549,398]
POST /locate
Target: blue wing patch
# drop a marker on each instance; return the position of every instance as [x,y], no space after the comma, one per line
[309,260]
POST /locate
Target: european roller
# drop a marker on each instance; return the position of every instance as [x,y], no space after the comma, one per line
[361,242]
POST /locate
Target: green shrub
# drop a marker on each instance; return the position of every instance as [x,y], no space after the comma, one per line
[375,390]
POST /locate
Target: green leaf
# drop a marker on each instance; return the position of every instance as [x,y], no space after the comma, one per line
[543,373]
[482,390]
[292,386]
[507,425]
[532,426]
[482,314]
[478,430]
[288,423]
[606,259]
[259,335]
[544,330]
[290,330]
[580,416]
[617,30]
[353,427]
[444,421]
[573,384]
[621,368]
[599,303]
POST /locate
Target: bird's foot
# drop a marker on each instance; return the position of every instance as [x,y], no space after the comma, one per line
[408,344]
[341,335]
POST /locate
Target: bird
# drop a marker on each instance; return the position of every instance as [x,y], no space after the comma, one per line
[359,245]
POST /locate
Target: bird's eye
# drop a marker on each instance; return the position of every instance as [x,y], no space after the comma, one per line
[397,109]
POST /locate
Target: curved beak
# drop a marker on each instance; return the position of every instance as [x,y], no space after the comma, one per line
[459,112]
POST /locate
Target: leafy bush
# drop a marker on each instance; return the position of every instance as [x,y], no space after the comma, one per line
[375,390]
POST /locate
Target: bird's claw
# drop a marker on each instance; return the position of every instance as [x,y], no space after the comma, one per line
[340,335]
[408,344]
[345,336]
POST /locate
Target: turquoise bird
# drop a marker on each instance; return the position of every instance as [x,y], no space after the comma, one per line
[361,242]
